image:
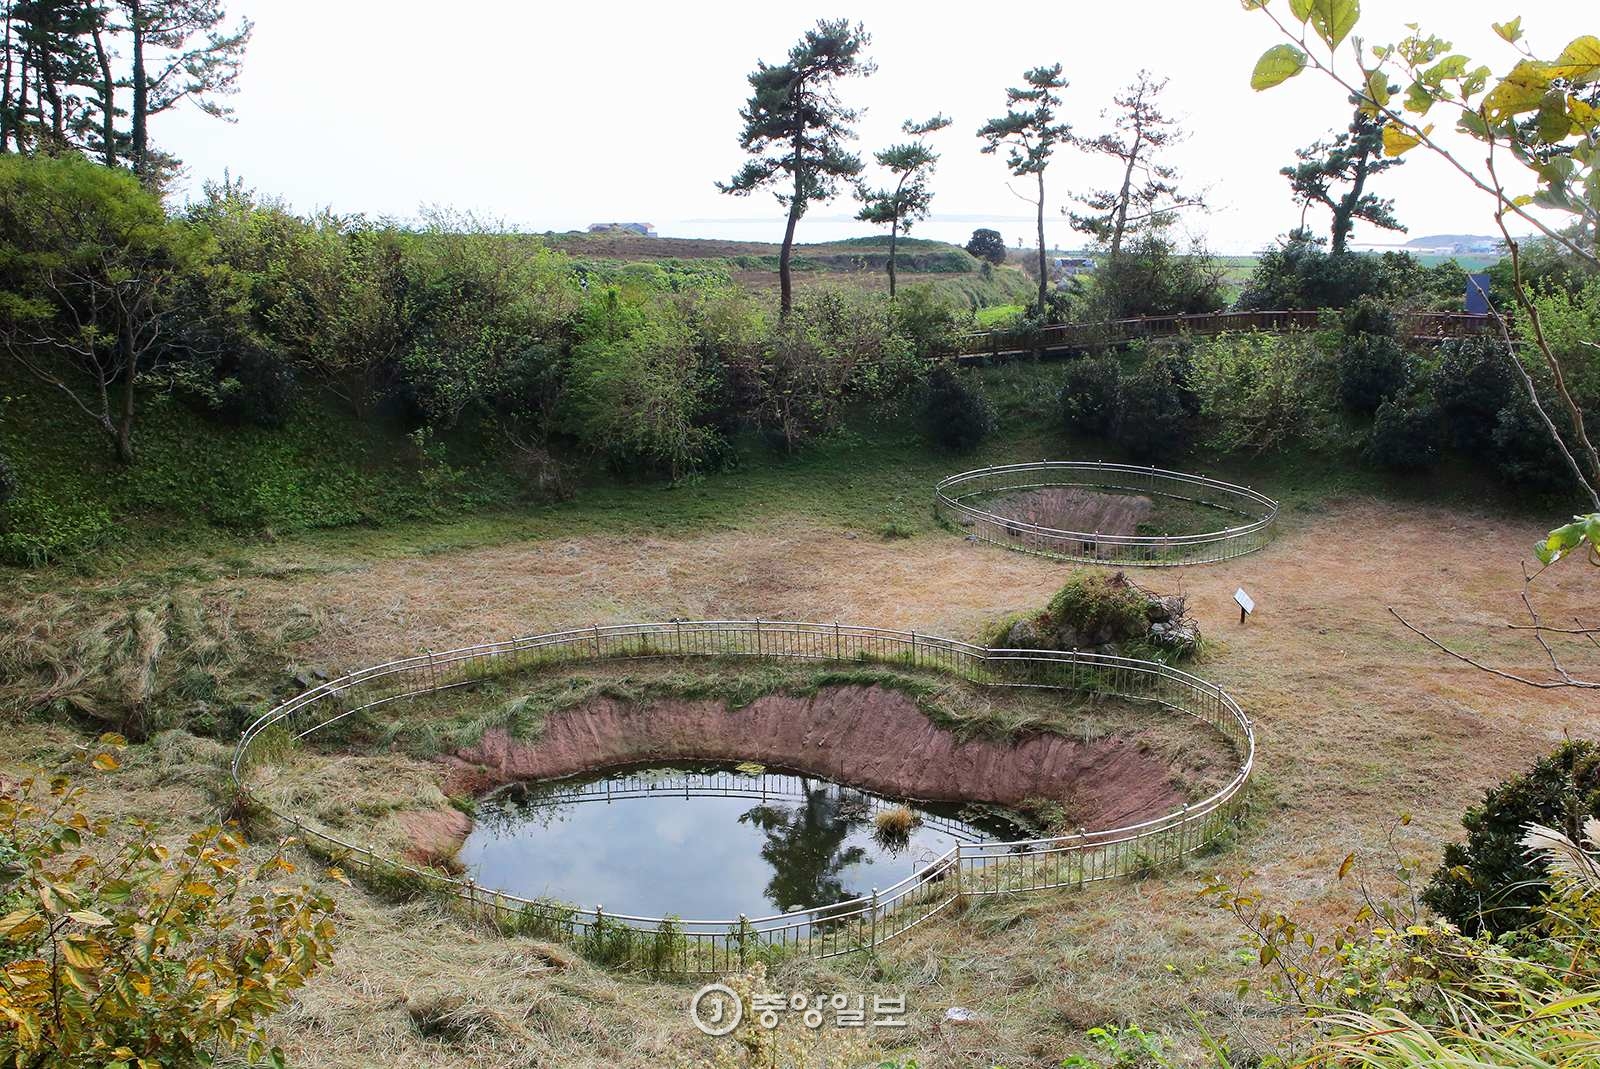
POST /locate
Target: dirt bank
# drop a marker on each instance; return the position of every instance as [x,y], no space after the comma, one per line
[869,737]
[1072,508]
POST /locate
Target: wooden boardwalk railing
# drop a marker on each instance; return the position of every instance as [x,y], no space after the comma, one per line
[1071,337]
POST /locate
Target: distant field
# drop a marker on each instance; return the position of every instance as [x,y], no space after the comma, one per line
[859,263]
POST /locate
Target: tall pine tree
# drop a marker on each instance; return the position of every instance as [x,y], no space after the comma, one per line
[910,164]
[1030,133]
[796,128]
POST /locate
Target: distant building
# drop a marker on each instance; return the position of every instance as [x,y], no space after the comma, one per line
[643,229]
[1073,266]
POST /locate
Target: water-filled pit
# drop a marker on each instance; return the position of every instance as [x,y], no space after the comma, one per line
[703,840]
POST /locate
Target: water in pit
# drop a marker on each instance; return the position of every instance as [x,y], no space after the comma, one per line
[704,841]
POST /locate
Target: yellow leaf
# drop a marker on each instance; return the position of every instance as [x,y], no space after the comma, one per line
[105,762]
[21,923]
[90,917]
[1396,141]
[338,875]
[200,888]
[83,951]
[1346,865]
[1580,60]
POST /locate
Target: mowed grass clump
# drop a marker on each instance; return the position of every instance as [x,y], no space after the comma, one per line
[141,668]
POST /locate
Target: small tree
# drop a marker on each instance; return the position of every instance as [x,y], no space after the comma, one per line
[988,245]
[88,266]
[1335,175]
[796,128]
[123,951]
[911,164]
[1148,195]
[1030,133]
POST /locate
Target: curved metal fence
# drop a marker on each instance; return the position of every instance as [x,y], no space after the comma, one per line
[957,501]
[676,945]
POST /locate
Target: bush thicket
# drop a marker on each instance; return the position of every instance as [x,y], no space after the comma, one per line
[1405,435]
[1488,882]
[955,412]
[1091,396]
[1158,415]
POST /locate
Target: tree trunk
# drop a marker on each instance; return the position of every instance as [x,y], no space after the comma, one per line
[141,92]
[108,108]
[785,295]
[894,234]
[125,418]
[1344,214]
[1043,275]
[5,100]
[1121,224]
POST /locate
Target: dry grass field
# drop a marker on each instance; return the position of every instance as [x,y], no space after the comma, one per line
[1359,721]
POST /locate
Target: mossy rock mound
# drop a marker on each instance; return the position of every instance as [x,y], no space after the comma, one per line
[1104,613]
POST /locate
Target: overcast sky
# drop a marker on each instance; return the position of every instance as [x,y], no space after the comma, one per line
[556,115]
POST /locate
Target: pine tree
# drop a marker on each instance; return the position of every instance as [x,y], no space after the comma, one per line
[1350,160]
[1030,133]
[796,128]
[911,163]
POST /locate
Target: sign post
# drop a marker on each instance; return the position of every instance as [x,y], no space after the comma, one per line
[1246,604]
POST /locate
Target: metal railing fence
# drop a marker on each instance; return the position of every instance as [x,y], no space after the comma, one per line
[671,945]
[952,502]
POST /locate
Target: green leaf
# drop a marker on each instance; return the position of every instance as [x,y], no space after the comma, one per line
[1300,9]
[1378,88]
[1334,19]
[1553,124]
[1419,99]
[1277,65]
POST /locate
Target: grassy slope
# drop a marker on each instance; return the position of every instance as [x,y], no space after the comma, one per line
[339,482]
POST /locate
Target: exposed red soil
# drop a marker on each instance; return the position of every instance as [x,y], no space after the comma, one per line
[869,737]
[1072,508]
[434,834]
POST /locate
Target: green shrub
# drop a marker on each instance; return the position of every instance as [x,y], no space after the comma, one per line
[1488,883]
[1091,396]
[1097,603]
[955,412]
[1371,369]
[8,486]
[1153,277]
[1261,391]
[1157,417]
[1405,435]
[1524,455]
[1368,315]
[638,393]
[1471,383]
[929,319]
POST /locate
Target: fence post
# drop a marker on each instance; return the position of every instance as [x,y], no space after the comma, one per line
[874,941]
[597,642]
[742,923]
[838,650]
[958,869]
[433,671]
[913,649]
